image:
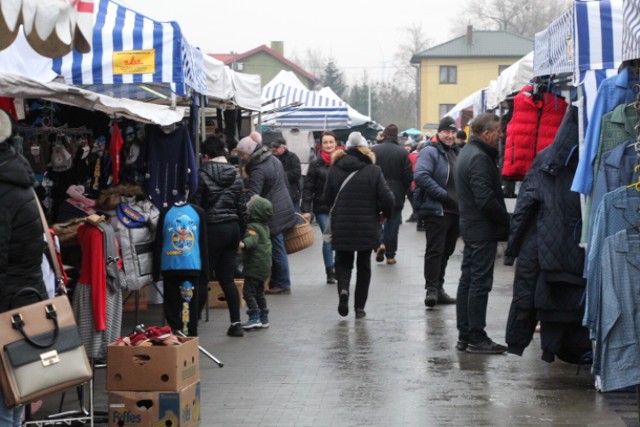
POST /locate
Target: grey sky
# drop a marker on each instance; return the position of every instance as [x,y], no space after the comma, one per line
[359,35]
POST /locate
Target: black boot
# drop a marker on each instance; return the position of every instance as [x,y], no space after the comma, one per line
[444,297]
[331,275]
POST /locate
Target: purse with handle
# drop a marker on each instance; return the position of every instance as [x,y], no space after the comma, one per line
[41,351]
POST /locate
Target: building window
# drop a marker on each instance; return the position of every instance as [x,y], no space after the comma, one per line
[501,68]
[448,74]
[444,109]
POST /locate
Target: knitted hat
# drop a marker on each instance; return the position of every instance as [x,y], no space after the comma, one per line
[249,143]
[356,140]
[447,123]
[5,126]
[391,131]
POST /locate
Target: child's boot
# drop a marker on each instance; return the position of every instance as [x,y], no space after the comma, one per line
[264,317]
[254,319]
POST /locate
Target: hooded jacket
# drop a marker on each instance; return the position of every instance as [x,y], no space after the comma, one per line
[257,251]
[21,233]
[356,210]
[394,162]
[268,179]
[221,194]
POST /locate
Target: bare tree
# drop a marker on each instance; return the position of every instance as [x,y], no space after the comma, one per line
[524,18]
[414,41]
[313,60]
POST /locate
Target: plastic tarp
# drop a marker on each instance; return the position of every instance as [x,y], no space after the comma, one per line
[132,56]
[17,86]
[288,104]
[510,80]
[631,30]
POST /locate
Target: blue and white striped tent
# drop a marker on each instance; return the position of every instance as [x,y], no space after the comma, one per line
[118,31]
[294,106]
[585,43]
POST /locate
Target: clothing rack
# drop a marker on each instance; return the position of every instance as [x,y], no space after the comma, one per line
[29,130]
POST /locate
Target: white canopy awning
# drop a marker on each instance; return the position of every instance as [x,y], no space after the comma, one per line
[17,86]
[511,80]
[475,100]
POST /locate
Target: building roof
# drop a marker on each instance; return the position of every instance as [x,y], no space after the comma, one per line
[229,58]
[486,44]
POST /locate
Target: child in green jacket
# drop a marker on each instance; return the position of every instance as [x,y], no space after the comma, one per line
[256,246]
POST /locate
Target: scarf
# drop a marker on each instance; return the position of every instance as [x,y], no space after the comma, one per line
[326,157]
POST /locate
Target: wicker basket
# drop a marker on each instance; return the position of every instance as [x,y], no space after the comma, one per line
[298,237]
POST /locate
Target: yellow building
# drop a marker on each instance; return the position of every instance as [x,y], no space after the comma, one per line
[453,70]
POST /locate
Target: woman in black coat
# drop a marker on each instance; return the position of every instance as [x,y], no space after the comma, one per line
[312,197]
[355,218]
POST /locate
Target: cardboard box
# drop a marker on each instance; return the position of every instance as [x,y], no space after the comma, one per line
[155,368]
[216,295]
[155,408]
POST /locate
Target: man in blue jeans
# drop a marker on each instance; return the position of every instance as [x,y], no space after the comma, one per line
[394,161]
[483,222]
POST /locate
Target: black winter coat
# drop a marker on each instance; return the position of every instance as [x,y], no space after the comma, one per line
[545,235]
[314,187]
[21,233]
[483,213]
[267,179]
[394,162]
[293,170]
[356,213]
[221,194]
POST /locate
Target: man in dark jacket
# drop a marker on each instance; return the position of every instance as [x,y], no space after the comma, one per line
[436,203]
[267,179]
[21,239]
[291,164]
[483,222]
[393,159]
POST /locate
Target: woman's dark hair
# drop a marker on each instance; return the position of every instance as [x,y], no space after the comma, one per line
[214,147]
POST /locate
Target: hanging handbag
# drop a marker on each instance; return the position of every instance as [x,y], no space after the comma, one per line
[41,349]
[327,233]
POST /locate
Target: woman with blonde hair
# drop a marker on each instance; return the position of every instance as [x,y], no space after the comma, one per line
[360,196]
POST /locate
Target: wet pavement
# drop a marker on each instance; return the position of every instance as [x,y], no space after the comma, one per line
[396,367]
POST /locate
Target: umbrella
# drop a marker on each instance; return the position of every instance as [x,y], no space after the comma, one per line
[52,27]
[411,131]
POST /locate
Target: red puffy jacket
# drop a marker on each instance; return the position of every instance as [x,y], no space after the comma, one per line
[533,126]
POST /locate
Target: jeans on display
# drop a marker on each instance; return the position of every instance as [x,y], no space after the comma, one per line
[390,229]
[280,263]
[327,251]
[441,233]
[476,281]
[344,266]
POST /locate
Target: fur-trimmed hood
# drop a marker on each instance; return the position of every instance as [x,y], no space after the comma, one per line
[361,151]
[109,198]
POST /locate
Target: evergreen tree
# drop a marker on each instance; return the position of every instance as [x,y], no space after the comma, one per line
[333,78]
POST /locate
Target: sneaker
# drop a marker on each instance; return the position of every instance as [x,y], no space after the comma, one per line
[391,261]
[486,347]
[235,330]
[462,345]
[444,297]
[251,324]
[343,305]
[431,298]
[380,253]
[360,313]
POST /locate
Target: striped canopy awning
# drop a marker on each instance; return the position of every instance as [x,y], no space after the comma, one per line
[296,107]
[585,38]
[134,57]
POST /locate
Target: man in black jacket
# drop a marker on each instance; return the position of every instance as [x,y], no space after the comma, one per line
[291,164]
[394,161]
[483,222]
